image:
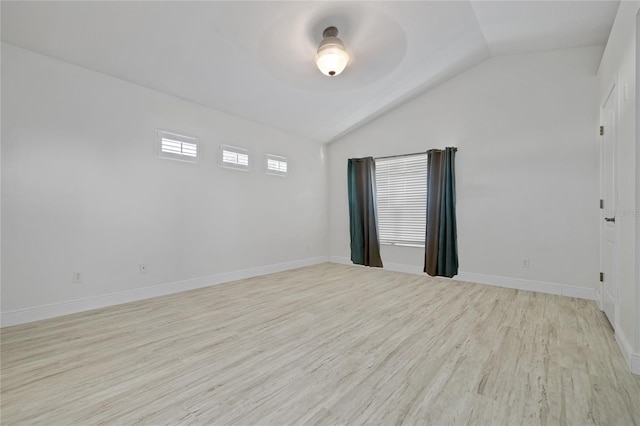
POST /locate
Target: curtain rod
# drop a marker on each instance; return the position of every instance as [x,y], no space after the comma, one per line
[409,155]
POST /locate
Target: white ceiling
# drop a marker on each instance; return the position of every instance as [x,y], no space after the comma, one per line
[254,59]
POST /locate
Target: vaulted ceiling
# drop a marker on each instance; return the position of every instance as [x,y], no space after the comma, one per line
[255,59]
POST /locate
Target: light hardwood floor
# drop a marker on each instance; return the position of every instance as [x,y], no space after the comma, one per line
[327,344]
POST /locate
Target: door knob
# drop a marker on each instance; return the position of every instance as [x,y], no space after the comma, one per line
[610,219]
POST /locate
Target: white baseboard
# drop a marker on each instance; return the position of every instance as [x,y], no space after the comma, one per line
[598,297]
[632,358]
[21,316]
[516,283]
[529,285]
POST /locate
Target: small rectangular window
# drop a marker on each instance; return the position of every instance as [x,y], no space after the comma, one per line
[401,195]
[176,147]
[276,165]
[234,158]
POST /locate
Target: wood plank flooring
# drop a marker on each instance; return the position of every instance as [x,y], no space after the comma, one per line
[327,344]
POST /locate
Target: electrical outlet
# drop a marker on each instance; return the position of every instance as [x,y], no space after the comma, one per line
[142,268]
[525,262]
[77,277]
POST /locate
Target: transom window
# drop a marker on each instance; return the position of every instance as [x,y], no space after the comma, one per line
[276,165]
[234,157]
[176,147]
[401,185]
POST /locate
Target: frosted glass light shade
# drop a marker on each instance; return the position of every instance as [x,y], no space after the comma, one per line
[332,57]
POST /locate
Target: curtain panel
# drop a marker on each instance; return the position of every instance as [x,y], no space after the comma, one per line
[441,245]
[363,217]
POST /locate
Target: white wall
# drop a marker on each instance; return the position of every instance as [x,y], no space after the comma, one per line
[619,66]
[83,191]
[527,168]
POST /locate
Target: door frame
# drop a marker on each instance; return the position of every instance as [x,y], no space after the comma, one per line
[636,370]
[612,88]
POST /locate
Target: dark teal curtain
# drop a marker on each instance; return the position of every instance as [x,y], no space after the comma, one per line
[363,216]
[441,245]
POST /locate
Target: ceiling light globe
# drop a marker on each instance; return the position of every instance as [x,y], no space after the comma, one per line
[332,61]
[332,57]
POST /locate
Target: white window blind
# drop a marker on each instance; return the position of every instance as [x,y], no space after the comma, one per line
[401,184]
[276,165]
[234,157]
[176,147]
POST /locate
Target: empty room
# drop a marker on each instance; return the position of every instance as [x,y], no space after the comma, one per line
[320,213]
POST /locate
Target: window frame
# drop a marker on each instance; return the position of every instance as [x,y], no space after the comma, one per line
[162,135]
[411,220]
[236,150]
[280,159]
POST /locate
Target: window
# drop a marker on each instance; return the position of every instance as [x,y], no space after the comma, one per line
[401,184]
[176,147]
[234,158]
[276,165]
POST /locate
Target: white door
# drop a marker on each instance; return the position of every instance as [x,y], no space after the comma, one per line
[609,182]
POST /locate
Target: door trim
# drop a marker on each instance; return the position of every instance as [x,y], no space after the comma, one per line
[613,87]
